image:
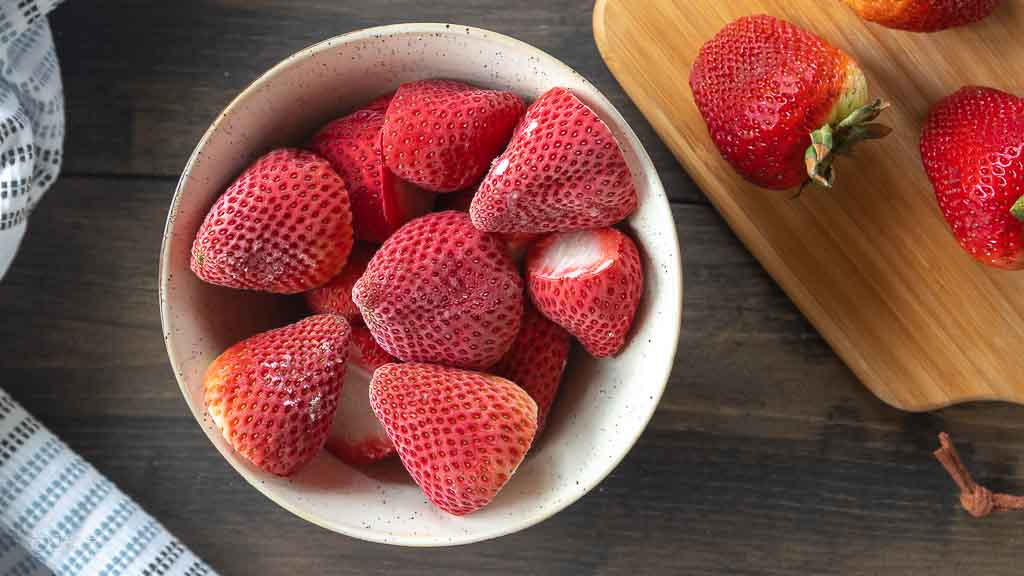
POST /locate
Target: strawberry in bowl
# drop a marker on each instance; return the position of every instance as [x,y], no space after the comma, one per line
[444,333]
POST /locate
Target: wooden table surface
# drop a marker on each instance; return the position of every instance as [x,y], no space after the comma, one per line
[766,455]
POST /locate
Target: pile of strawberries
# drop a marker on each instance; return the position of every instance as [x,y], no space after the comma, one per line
[440,336]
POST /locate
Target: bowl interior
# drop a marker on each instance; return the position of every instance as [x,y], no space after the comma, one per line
[603,405]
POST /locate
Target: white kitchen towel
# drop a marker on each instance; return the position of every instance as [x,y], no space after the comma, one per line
[58,515]
[31,116]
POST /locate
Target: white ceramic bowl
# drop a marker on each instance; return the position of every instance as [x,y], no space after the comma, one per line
[603,406]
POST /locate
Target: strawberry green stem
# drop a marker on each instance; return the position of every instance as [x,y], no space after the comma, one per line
[830,141]
[1018,209]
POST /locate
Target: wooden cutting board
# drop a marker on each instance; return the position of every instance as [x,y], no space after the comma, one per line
[870,263]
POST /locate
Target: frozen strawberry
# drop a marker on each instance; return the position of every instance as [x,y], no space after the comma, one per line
[536,361]
[589,282]
[335,297]
[274,395]
[442,134]
[460,434]
[381,203]
[441,291]
[283,226]
[563,170]
[357,437]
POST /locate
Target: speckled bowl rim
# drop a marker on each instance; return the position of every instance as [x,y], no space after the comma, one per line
[657,195]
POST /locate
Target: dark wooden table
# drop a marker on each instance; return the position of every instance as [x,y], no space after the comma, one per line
[765,457]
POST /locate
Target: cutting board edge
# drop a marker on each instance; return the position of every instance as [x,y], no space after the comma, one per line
[830,331]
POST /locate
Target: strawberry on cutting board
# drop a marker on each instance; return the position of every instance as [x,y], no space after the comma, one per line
[441,291]
[357,437]
[972,147]
[273,396]
[283,226]
[563,170]
[536,360]
[589,282]
[923,15]
[460,434]
[781,103]
[443,134]
[381,202]
[335,297]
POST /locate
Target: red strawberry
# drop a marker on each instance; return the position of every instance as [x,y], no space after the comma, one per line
[536,360]
[283,226]
[588,282]
[563,170]
[441,291]
[460,434]
[923,15]
[442,134]
[274,395]
[381,203]
[973,151]
[780,102]
[357,437]
[335,297]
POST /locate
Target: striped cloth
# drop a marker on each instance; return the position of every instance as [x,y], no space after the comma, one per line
[58,515]
[31,116]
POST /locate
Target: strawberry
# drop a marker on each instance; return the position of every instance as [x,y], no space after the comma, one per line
[357,437]
[442,134]
[381,202]
[781,103]
[441,291]
[536,360]
[273,396]
[335,297]
[923,15]
[589,282]
[460,434]
[563,170]
[972,147]
[283,226]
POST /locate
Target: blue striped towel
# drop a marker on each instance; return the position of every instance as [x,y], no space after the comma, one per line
[58,515]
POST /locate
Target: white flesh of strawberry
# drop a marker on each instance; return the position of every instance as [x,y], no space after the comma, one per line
[355,426]
[577,254]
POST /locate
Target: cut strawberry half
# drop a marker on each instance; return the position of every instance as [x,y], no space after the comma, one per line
[357,437]
[381,202]
[589,282]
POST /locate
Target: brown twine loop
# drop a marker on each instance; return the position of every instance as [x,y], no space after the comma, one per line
[977,500]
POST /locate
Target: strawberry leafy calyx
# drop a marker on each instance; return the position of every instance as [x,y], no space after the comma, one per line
[830,141]
[1018,209]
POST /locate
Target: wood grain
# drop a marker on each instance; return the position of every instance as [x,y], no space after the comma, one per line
[871,263]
